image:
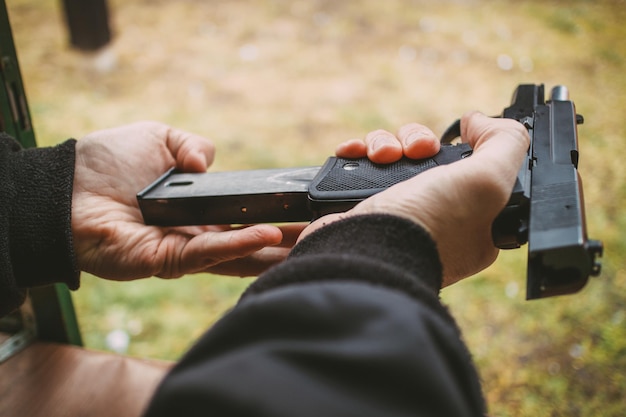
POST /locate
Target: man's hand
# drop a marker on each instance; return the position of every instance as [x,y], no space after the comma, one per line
[110,237]
[455,203]
[413,140]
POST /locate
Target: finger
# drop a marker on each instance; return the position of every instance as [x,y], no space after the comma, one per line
[383,147]
[354,148]
[499,145]
[251,265]
[291,232]
[209,249]
[418,141]
[193,153]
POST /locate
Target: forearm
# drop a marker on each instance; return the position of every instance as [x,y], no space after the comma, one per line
[35,229]
[350,324]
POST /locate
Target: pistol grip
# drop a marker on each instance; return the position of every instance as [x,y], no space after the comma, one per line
[342,183]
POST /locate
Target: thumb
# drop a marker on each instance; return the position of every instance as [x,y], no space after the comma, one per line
[193,153]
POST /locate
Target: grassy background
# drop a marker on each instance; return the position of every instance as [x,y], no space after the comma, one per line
[280,83]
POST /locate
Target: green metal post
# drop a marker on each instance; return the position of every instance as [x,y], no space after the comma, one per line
[52,305]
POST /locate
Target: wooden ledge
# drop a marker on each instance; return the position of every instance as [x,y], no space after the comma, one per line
[48,379]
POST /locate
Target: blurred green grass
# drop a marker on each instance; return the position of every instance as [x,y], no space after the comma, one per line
[277,84]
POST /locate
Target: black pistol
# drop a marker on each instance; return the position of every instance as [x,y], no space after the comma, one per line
[546,208]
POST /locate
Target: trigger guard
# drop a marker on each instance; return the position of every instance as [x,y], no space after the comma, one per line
[452,132]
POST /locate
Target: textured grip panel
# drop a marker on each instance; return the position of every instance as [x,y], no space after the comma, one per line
[341,183]
[343,179]
[362,174]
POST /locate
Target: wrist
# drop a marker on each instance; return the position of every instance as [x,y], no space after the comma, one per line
[40,200]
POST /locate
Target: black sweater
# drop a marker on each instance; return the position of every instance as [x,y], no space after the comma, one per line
[35,219]
[349,325]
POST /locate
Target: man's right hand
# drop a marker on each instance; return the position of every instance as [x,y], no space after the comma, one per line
[455,203]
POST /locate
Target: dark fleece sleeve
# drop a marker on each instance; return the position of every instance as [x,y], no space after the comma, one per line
[349,325]
[35,219]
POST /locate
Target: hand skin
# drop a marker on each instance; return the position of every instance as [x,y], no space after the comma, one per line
[455,203]
[110,238]
[413,140]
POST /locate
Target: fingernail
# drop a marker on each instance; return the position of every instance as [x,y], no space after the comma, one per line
[379,142]
[413,137]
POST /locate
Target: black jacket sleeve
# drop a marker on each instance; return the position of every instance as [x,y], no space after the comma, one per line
[349,325]
[35,219]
